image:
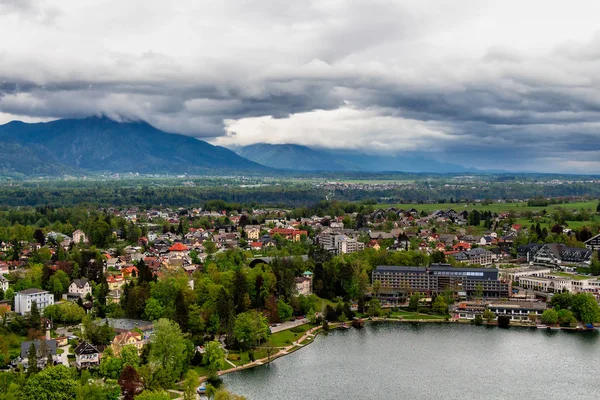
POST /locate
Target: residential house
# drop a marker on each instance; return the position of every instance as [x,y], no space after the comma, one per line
[79,288]
[45,349]
[3,283]
[79,237]
[128,338]
[252,232]
[87,355]
[115,281]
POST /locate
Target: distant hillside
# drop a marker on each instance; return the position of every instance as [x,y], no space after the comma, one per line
[99,144]
[302,158]
[294,157]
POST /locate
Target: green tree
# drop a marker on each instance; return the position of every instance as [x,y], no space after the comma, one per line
[189,385]
[439,305]
[250,328]
[153,310]
[153,395]
[413,302]
[585,308]
[374,308]
[284,310]
[478,320]
[549,316]
[110,366]
[53,383]
[35,320]
[169,348]
[32,359]
[488,315]
[213,358]
[566,318]
[129,355]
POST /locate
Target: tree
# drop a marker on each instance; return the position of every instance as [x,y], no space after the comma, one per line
[53,383]
[488,315]
[439,305]
[129,355]
[153,310]
[376,288]
[189,385]
[374,308]
[182,311]
[169,348]
[478,293]
[153,395]
[251,328]
[566,318]
[413,302]
[35,320]
[213,357]
[478,320]
[585,308]
[130,383]
[549,316]
[32,359]
[38,235]
[284,310]
[209,247]
[110,366]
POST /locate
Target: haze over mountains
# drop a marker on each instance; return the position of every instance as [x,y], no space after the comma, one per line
[100,144]
[302,158]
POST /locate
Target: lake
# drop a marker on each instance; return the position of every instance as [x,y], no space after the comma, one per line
[387,360]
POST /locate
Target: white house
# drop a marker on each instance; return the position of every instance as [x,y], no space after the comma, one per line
[87,355]
[24,298]
[80,288]
[79,237]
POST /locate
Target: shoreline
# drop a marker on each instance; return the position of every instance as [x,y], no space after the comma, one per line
[315,331]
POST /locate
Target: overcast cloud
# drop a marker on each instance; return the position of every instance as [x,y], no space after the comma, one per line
[491,84]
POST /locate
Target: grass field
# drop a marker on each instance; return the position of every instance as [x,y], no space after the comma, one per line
[407,315]
[494,207]
[287,337]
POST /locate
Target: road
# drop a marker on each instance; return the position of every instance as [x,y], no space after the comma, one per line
[288,325]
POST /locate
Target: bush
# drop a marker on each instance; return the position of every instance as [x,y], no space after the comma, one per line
[251,355]
[478,320]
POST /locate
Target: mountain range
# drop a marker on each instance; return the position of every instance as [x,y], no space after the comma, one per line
[100,144]
[302,158]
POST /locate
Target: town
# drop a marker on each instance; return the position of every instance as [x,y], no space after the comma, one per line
[141,301]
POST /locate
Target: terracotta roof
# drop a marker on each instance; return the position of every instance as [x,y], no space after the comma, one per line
[178,247]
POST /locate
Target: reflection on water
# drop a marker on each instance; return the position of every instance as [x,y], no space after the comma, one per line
[430,361]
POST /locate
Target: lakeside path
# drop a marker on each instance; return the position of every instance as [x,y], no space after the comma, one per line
[283,351]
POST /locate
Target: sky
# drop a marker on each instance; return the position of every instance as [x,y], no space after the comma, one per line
[508,84]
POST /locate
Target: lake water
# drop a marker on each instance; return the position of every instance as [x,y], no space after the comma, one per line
[431,361]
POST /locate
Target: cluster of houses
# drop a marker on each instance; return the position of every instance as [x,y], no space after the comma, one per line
[135,333]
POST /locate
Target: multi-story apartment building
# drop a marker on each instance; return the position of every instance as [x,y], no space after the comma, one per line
[441,277]
[339,244]
[24,298]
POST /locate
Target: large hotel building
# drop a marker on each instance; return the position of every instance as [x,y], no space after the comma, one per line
[398,282]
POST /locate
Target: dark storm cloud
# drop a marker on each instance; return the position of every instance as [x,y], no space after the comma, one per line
[383,75]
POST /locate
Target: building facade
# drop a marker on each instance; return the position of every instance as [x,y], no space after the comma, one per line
[25,298]
[438,278]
